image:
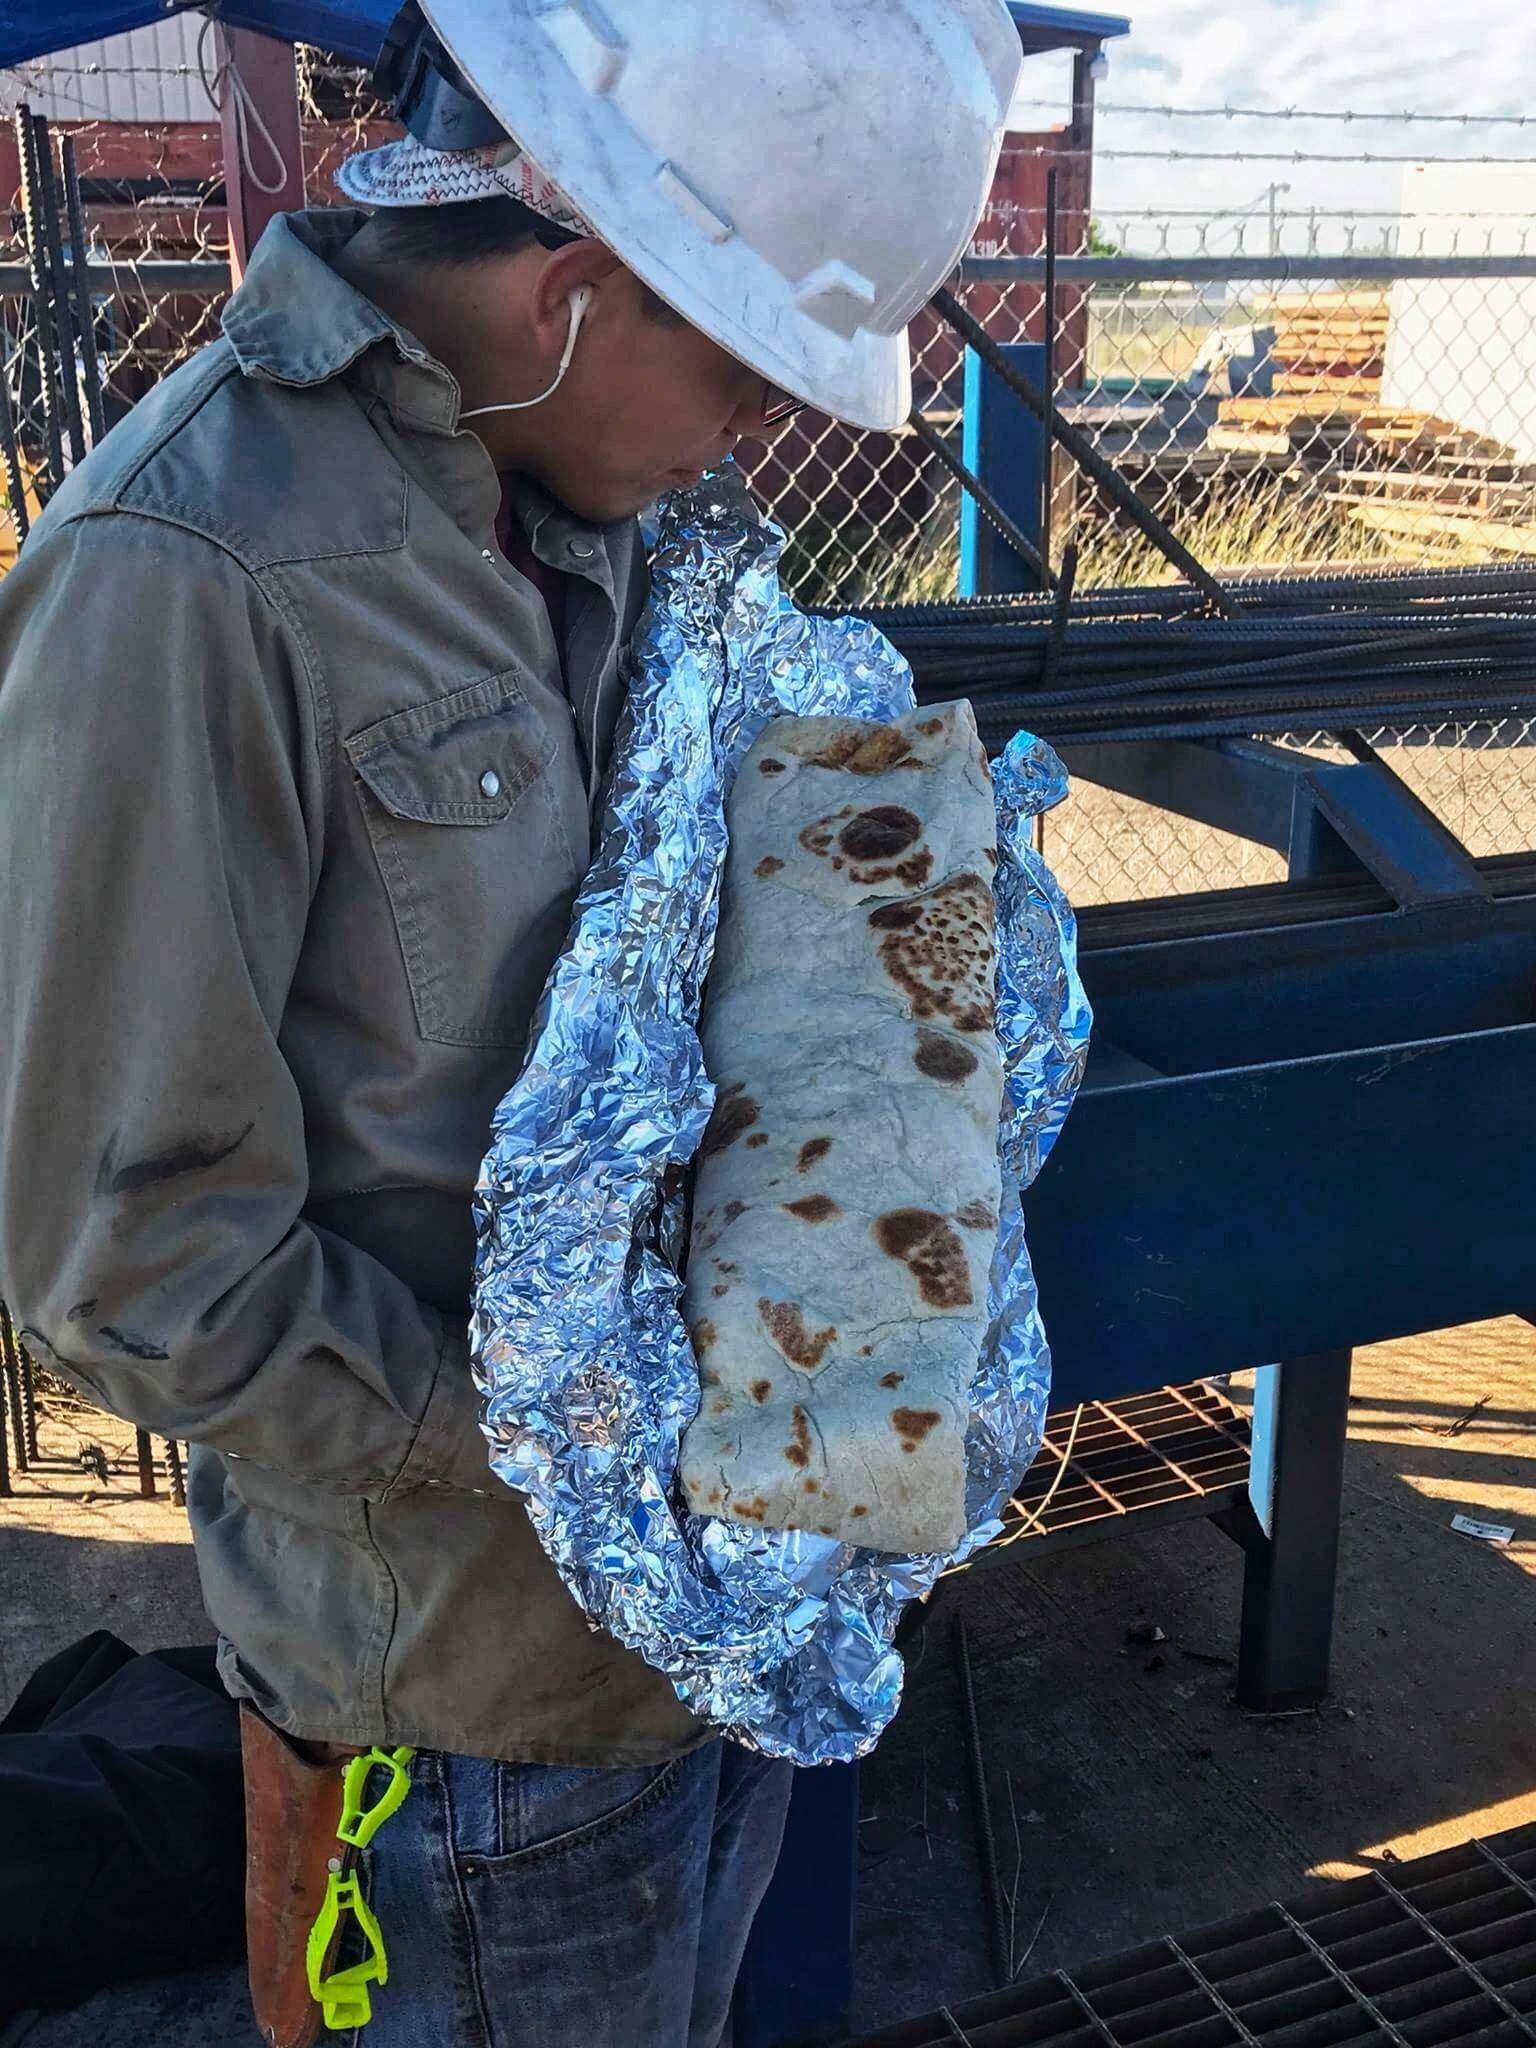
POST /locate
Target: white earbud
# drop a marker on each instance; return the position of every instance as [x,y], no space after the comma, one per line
[580,300]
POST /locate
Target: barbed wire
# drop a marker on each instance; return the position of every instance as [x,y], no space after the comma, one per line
[1341,114]
[1096,153]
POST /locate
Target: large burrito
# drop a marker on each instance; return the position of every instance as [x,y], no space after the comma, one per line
[846,1200]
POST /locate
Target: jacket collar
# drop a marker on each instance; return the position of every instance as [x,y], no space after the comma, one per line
[295,320]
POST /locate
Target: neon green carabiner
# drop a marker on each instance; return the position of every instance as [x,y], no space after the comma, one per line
[357,1826]
[343,1995]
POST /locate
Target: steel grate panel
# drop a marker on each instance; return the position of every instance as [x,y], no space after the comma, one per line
[1440,1953]
[1177,1449]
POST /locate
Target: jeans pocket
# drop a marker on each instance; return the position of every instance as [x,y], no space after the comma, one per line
[519,1813]
[588,1920]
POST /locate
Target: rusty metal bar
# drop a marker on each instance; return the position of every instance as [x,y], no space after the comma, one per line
[42,307]
[10,1364]
[59,288]
[85,311]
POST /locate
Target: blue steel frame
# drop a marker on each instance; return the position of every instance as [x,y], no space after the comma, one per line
[1003,444]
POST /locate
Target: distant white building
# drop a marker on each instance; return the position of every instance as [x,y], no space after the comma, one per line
[1464,349]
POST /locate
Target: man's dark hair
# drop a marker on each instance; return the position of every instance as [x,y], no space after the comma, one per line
[455,236]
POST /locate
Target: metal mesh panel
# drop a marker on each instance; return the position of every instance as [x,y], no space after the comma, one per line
[1346,421]
[1433,1953]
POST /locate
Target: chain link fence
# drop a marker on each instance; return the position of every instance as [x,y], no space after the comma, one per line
[1367,415]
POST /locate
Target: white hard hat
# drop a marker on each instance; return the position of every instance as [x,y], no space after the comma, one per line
[795,177]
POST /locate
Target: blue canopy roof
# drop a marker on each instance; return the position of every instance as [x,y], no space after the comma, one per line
[1064,28]
[352,28]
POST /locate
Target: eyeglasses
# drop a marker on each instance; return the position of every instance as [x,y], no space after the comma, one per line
[778,406]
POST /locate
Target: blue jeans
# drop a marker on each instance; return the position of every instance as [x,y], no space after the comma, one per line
[535,1906]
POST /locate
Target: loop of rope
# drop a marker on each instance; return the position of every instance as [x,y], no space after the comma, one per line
[226,78]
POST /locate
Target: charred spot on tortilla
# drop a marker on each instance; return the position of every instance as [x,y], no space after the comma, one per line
[812,1150]
[880,833]
[943,1059]
[932,1253]
[913,1424]
[761,1389]
[814,1208]
[733,1209]
[733,1114]
[768,766]
[858,1511]
[940,955]
[977,1216]
[931,727]
[896,917]
[757,1140]
[799,1452]
[861,749]
[892,1380]
[702,1335]
[768,867]
[786,1326]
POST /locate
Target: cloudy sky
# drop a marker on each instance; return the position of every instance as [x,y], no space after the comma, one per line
[1473,57]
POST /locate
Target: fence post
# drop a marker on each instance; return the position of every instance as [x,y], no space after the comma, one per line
[1007,448]
[262,137]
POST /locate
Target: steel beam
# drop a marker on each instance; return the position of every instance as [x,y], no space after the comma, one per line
[1291,1547]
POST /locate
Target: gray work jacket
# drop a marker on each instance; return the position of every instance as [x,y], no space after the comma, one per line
[294,802]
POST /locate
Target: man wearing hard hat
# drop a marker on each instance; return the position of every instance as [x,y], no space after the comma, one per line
[310,678]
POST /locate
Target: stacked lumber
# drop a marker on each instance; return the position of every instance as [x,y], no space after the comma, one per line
[1328,339]
[1456,508]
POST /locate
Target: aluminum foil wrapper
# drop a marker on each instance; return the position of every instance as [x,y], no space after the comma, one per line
[781,1639]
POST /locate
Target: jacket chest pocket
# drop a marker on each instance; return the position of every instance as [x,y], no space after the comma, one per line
[461,802]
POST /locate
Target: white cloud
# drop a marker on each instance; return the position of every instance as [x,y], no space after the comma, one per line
[1478,57]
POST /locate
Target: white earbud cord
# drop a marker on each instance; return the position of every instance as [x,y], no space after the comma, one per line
[581,298]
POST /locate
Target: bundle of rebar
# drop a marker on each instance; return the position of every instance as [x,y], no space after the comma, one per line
[1370,650]
[58,356]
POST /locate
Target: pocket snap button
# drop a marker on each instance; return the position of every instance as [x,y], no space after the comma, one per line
[490,783]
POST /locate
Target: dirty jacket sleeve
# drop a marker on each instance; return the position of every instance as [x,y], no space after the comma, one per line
[163,788]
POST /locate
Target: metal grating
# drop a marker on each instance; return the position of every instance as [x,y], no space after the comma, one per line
[1163,1456]
[1428,1954]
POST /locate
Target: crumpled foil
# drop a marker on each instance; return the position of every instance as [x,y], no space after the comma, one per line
[781,1639]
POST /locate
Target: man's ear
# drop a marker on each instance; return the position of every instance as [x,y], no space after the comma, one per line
[587,262]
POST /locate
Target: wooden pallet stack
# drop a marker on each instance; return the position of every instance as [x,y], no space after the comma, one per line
[1330,341]
[1439,492]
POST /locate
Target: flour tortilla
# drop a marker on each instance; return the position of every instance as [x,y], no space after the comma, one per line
[845,1210]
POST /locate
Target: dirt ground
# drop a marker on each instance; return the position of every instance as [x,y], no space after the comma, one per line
[1131,1797]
